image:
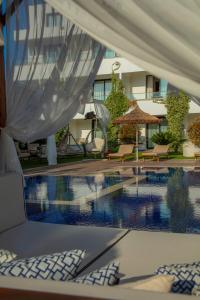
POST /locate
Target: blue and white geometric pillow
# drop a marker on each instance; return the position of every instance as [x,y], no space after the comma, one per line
[196,291]
[108,275]
[187,276]
[58,266]
[6,256]
[184,265]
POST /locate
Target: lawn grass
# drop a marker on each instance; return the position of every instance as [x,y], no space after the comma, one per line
[178,156]
[36,162]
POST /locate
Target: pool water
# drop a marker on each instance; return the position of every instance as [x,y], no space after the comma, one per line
[164,199]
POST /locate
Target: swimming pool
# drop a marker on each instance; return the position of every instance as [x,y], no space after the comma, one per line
[164,199]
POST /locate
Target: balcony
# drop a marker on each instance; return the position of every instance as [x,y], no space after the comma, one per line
[100,95]
[147,95]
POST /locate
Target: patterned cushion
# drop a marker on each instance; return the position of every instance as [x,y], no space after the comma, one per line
[187,276]
[6,256]
[57,266]
[108,275]
[196,291]
[158,283]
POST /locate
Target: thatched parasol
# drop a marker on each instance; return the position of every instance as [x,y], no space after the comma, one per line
[137,116]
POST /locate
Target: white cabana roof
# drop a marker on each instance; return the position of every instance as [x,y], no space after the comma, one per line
[163,37]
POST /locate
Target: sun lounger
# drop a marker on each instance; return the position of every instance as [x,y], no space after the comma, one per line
[197,155]
[22,154]
[159,150]
[33,149]
[124,150]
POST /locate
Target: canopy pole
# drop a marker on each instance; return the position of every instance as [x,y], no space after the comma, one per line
[136,149]
[2,85]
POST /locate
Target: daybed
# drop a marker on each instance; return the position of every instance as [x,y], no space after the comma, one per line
[140,253]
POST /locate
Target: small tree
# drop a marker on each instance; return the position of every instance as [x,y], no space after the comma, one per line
[117,103]
[177,109]
[194,132]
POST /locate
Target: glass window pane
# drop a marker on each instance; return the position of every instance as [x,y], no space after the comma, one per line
[108,88]
[151,129]
[163,125]
[163,88]
[99,90]
[53,19]
[109,53]
[51,54]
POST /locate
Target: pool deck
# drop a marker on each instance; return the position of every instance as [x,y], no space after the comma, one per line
[89,166]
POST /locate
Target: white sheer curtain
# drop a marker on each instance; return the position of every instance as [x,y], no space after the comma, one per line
[103,117]
[163,37]
[50,67]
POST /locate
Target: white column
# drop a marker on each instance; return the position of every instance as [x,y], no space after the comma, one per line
[51,150]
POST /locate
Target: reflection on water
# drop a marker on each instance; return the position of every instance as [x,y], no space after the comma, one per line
[165,199]
[178,201]
[67,188]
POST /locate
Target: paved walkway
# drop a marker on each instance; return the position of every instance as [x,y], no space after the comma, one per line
[87,167]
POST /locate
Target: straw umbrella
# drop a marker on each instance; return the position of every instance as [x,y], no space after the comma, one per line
[138,117]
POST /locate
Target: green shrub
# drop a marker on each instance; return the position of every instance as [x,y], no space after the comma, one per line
[163,138]
[194,132]
[60,134]
[117,103]
[177,109]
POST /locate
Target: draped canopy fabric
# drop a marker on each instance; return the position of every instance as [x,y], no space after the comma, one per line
[163,37]
[50,67]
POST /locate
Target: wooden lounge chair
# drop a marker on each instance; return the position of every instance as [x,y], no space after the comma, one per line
[42,152]
[123,151]
[197,155]
[159,150]
[33,149]
[22,154]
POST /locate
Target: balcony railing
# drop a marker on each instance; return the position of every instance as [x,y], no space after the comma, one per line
[147,95]
[100,95]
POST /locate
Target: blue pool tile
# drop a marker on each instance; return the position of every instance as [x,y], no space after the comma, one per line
[164,200]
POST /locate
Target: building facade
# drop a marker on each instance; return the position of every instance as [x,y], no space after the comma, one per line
[139,85]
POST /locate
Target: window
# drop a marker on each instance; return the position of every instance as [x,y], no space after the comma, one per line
[109,53]
[151,129]
[102,89]
[51,54]
[155,87]
[20,54]
[152,86]
[53,20]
